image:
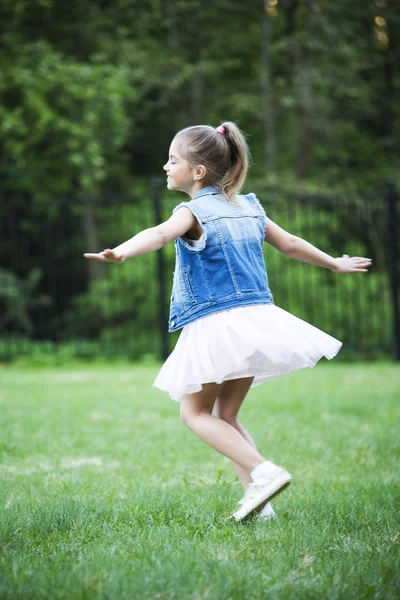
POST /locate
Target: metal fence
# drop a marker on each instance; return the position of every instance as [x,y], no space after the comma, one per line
[52,300]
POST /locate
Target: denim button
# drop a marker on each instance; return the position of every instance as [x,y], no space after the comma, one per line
[173,323]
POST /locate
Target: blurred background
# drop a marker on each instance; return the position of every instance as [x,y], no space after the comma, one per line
[91,94]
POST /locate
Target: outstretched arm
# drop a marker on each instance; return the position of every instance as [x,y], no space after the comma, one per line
[149,240]
[299,249]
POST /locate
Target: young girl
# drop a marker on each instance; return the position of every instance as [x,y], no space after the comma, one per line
[233,336]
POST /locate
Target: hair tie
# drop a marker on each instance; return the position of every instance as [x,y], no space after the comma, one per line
[221,129]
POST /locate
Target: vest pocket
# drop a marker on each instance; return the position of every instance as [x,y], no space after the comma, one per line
[190,296]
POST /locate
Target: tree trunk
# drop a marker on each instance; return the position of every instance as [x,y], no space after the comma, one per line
[266,93]
[387,105]
[307,109]
[303,92]
[289,8]
[198,76]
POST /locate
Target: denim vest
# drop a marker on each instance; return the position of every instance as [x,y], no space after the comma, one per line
[225,268]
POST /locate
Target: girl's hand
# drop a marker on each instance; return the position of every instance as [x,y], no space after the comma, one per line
[351,264]
[106,256]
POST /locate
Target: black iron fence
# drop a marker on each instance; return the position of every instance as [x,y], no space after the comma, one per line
[54,301]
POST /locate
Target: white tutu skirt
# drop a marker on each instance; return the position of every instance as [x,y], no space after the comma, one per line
[261,341]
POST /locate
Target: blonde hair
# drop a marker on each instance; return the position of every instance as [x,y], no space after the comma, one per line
[225,155]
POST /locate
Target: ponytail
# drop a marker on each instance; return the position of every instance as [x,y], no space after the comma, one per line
[239,161]
[223,151]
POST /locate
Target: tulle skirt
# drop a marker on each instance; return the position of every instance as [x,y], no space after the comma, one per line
[262,341]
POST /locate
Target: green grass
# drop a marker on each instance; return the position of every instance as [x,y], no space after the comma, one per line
[106,495]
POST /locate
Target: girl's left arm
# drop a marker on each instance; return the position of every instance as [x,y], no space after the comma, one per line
[299,249]
[149,240]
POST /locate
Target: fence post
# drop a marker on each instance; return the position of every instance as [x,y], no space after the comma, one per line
[162,312]
[393,261]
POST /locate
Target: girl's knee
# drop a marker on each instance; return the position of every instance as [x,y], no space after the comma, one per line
[188,414]
[230,418]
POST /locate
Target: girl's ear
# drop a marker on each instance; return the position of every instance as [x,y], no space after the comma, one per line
[200,173]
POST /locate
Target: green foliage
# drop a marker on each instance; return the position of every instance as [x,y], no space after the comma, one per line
[18,297]
[62,121]
[120,312]
[92,92]
[26,352]
[88,90]
[122,308]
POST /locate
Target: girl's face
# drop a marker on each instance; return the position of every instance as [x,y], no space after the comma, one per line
[180,175]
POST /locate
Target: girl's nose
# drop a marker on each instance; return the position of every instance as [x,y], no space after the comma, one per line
[165,167]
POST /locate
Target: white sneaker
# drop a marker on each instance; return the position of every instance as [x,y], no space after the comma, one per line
[267,513]
[260,491]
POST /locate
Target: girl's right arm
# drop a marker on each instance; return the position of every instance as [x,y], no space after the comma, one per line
[299,249]
[149,240]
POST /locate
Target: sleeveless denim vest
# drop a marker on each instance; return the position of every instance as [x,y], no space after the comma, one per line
[225,268]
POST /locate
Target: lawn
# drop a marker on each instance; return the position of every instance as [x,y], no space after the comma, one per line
[106,495]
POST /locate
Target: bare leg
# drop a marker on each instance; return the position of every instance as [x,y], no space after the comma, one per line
[227,407]
[196,413]
[243,475]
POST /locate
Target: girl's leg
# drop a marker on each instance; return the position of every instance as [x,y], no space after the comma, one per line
[270,480]
[226,407]
[196,413]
